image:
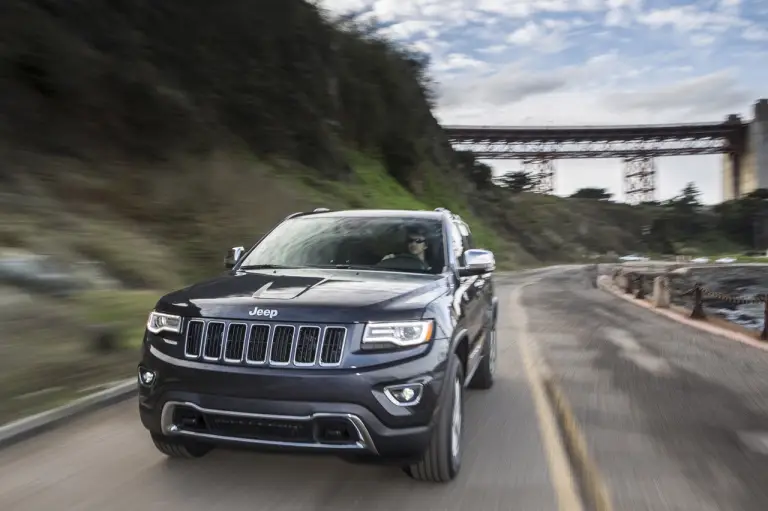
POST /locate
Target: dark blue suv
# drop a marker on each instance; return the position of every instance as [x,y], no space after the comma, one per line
[351,333]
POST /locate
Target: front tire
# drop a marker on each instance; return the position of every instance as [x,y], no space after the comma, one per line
[484,376]
[442,460]
[185,449]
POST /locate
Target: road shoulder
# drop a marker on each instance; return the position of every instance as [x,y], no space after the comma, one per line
[21,429]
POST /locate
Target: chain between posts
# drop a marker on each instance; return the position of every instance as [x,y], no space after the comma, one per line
[635,284]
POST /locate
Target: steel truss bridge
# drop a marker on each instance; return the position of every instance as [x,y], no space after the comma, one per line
[638,146]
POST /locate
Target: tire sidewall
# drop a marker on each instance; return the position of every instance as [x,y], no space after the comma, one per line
[492,345]
[455,373]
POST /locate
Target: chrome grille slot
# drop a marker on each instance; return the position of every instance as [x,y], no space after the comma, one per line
[258,340]
[194,340]
[306,345]
[264,344]
[333,346]
[214,338]
[233,348]
[282,344]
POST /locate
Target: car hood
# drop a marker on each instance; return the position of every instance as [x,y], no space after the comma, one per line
[334,296]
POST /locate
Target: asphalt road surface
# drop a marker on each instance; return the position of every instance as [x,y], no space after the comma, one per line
[675,418]
[106,462]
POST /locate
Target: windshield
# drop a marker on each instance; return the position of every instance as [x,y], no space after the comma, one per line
[383,243]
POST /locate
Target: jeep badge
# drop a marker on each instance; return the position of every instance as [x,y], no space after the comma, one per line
[271,313]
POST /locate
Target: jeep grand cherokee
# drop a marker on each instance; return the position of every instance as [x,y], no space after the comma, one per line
[351,333]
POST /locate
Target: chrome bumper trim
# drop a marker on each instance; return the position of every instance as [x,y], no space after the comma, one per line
[169,428]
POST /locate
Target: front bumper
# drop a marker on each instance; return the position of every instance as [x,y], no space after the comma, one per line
[341,411]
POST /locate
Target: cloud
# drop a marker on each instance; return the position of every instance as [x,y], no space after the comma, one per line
[548,36]
[694,98]
[582,62]
[621,12]
[499,89]
[458,62]
[755,33]
[410,28]
[496,48]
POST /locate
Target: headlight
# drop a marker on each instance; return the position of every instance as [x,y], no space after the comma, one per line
[159,322]
[399,333]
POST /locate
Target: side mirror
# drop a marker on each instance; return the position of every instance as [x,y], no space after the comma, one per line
[233,256]
[477,262]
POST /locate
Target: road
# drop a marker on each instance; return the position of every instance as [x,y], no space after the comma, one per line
[675,418]
[106,461]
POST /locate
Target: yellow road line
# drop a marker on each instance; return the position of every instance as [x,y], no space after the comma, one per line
[592,482]
[560,472]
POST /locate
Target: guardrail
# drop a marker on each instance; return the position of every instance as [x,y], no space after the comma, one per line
[660,287]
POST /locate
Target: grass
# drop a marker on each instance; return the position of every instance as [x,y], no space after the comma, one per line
[125,311]
[58,362]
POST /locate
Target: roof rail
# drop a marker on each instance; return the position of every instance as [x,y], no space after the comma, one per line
[300,213]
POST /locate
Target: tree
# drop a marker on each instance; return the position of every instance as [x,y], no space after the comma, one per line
[743,220]
[682,214]
[592,193]
[760,193]
[480,173]
[517,182]
[687,201]
[658,237]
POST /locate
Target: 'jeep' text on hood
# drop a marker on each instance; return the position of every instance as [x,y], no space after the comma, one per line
[306,295]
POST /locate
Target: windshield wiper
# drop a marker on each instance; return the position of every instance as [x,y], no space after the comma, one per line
[371,267]
[268,267]
[345,266]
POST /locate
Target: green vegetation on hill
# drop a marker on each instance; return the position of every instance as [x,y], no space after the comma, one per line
[151,136]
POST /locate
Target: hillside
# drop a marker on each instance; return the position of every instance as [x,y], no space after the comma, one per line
[154,135]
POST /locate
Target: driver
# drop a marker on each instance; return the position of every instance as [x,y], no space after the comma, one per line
[416,246]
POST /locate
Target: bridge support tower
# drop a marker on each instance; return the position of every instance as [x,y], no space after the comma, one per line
[639,179]
[745,165]
[542,172]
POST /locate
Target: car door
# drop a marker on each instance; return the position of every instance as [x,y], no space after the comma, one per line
[469,294]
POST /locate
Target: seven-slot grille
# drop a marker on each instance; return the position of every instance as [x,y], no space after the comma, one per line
[238,342]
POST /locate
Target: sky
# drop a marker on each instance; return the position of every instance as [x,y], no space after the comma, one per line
[588,62]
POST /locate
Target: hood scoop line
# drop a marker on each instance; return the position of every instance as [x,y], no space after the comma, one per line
[261,290]
[284,293]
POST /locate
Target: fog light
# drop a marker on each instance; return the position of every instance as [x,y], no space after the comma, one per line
[146,376]
[408,394]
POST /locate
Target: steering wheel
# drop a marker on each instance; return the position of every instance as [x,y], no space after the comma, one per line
[404,261]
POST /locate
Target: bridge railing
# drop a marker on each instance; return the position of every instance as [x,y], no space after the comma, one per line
[665,289]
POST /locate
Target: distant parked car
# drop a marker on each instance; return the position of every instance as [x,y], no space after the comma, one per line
[633,257]
[700,260]
[726,260]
